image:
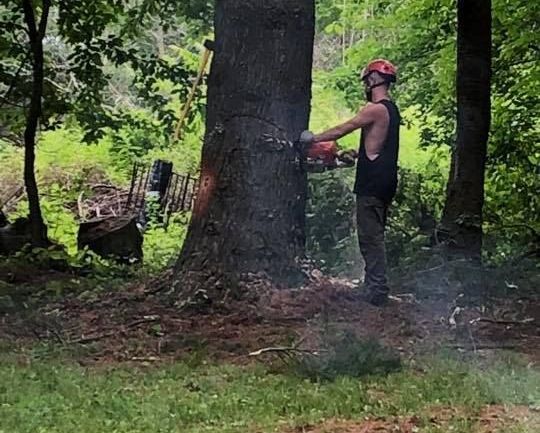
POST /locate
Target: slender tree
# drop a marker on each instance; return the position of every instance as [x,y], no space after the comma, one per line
[462,216]
[36,33]
[250,210]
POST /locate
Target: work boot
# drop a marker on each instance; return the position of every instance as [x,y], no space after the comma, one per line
[376,295]
[376,299]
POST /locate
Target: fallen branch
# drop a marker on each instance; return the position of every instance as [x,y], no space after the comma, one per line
[17,192]
[103,185]
[91,338]
[58,336]
[145,358]
[403,297]
[103,205]
[158,284]
[526,321]
[485,347]
[287,351]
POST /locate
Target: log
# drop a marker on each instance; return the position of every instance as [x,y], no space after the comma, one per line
[117,237]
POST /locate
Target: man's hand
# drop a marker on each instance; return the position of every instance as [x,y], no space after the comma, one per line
[347,158]
[306,138]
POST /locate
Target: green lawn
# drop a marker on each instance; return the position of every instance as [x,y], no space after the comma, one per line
[54,396]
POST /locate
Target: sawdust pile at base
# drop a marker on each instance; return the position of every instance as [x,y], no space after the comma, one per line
[134,324]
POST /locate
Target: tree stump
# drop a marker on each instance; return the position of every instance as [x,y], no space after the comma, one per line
[117,237]
[14,236]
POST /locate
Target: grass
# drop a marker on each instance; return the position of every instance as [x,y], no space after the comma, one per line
[54,396]
[65,167]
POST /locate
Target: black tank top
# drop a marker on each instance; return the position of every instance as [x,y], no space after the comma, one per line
[378,178]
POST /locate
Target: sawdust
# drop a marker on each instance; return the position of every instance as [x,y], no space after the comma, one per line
[114,324]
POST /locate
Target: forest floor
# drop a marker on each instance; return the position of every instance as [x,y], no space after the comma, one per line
[137,322]
[136,327]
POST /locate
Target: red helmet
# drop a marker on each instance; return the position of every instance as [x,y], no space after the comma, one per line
[325,151]
[382,66]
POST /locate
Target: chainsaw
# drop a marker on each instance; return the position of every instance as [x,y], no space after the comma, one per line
[325,155]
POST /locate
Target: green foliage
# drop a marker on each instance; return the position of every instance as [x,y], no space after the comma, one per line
[92,48]
[420,38]
[329,109]
[90,43]
[66,169]
[117,72]
[54,257]
[345,354]
[135,139]
[62,158]
[415,211]
[162,245]
[59,219]
[330,223]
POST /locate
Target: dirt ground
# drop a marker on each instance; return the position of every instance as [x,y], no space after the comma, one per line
[135,324]
[490,419]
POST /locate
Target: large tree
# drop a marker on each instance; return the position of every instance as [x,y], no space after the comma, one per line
[250,210]
[462,216]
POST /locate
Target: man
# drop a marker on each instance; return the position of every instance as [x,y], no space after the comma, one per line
[376,174]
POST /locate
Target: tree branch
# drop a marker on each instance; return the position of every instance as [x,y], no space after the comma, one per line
[30,20]
[5,101]
[12,138]
[44,18]
[5,98]
[36,33]
[14,26]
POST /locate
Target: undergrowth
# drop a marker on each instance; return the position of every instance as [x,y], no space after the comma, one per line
[341,354]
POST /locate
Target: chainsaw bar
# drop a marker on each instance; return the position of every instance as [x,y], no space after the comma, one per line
[342,159]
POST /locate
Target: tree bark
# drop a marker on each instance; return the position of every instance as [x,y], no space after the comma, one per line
[36,33]
[462,216]
[250,210]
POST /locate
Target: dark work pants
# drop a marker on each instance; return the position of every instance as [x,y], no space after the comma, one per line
[371,221]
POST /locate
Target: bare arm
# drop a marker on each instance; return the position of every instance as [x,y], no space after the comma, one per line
[365,117]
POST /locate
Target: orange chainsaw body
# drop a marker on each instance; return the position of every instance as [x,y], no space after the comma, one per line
[324,151]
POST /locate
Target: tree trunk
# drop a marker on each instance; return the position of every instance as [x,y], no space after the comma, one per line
[36,33]
[250,209]
[462,216]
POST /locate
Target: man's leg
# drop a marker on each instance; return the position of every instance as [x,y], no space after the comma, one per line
[371,221]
